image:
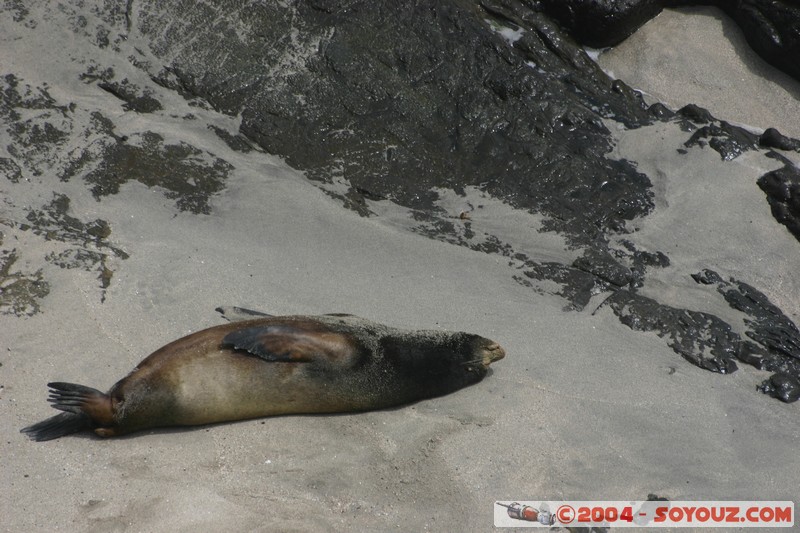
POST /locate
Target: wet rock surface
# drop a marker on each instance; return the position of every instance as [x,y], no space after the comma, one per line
[701,338]
[399,101]
[782,187]
[771,26]
[436,96]
[777,337]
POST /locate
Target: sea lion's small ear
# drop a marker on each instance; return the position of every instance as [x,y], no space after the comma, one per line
[292,343]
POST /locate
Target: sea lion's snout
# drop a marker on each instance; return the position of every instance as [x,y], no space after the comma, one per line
[491,353]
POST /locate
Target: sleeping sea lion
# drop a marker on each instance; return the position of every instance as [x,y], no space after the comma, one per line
[273,365]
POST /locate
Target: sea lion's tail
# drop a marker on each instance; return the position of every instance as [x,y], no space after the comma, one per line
[84,408]
[58,426]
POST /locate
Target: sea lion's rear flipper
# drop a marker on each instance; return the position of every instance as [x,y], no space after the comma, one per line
[75,398]
[58,426]
[84,408]
[232,313]
[295,343]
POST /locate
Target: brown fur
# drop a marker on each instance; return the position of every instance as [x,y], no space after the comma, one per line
[270,366]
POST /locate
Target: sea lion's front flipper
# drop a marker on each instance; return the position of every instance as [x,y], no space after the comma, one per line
[293,343]
[231,313]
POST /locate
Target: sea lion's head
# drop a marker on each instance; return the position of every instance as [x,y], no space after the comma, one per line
[489,351]
[433,363]
[472,354]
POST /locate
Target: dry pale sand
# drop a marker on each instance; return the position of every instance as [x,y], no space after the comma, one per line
[581,408]
[699,55]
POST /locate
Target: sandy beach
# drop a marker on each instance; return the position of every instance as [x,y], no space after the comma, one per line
[713,67]
[581,408]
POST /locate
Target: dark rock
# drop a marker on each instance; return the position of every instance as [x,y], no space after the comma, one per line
[577,286]
[639,261]
[781,386]
[661,112]
[701,338]
[782,187]
[767,325]
[179,168]
[432,96]
[600,23]
[756,356]
[601,264]
[657,259]
[777,335]
[729,141]
[234,142]
[707,277]
[696,114]
[36,125]
[772,138]
[10,169]
[135,99]
[771,27]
